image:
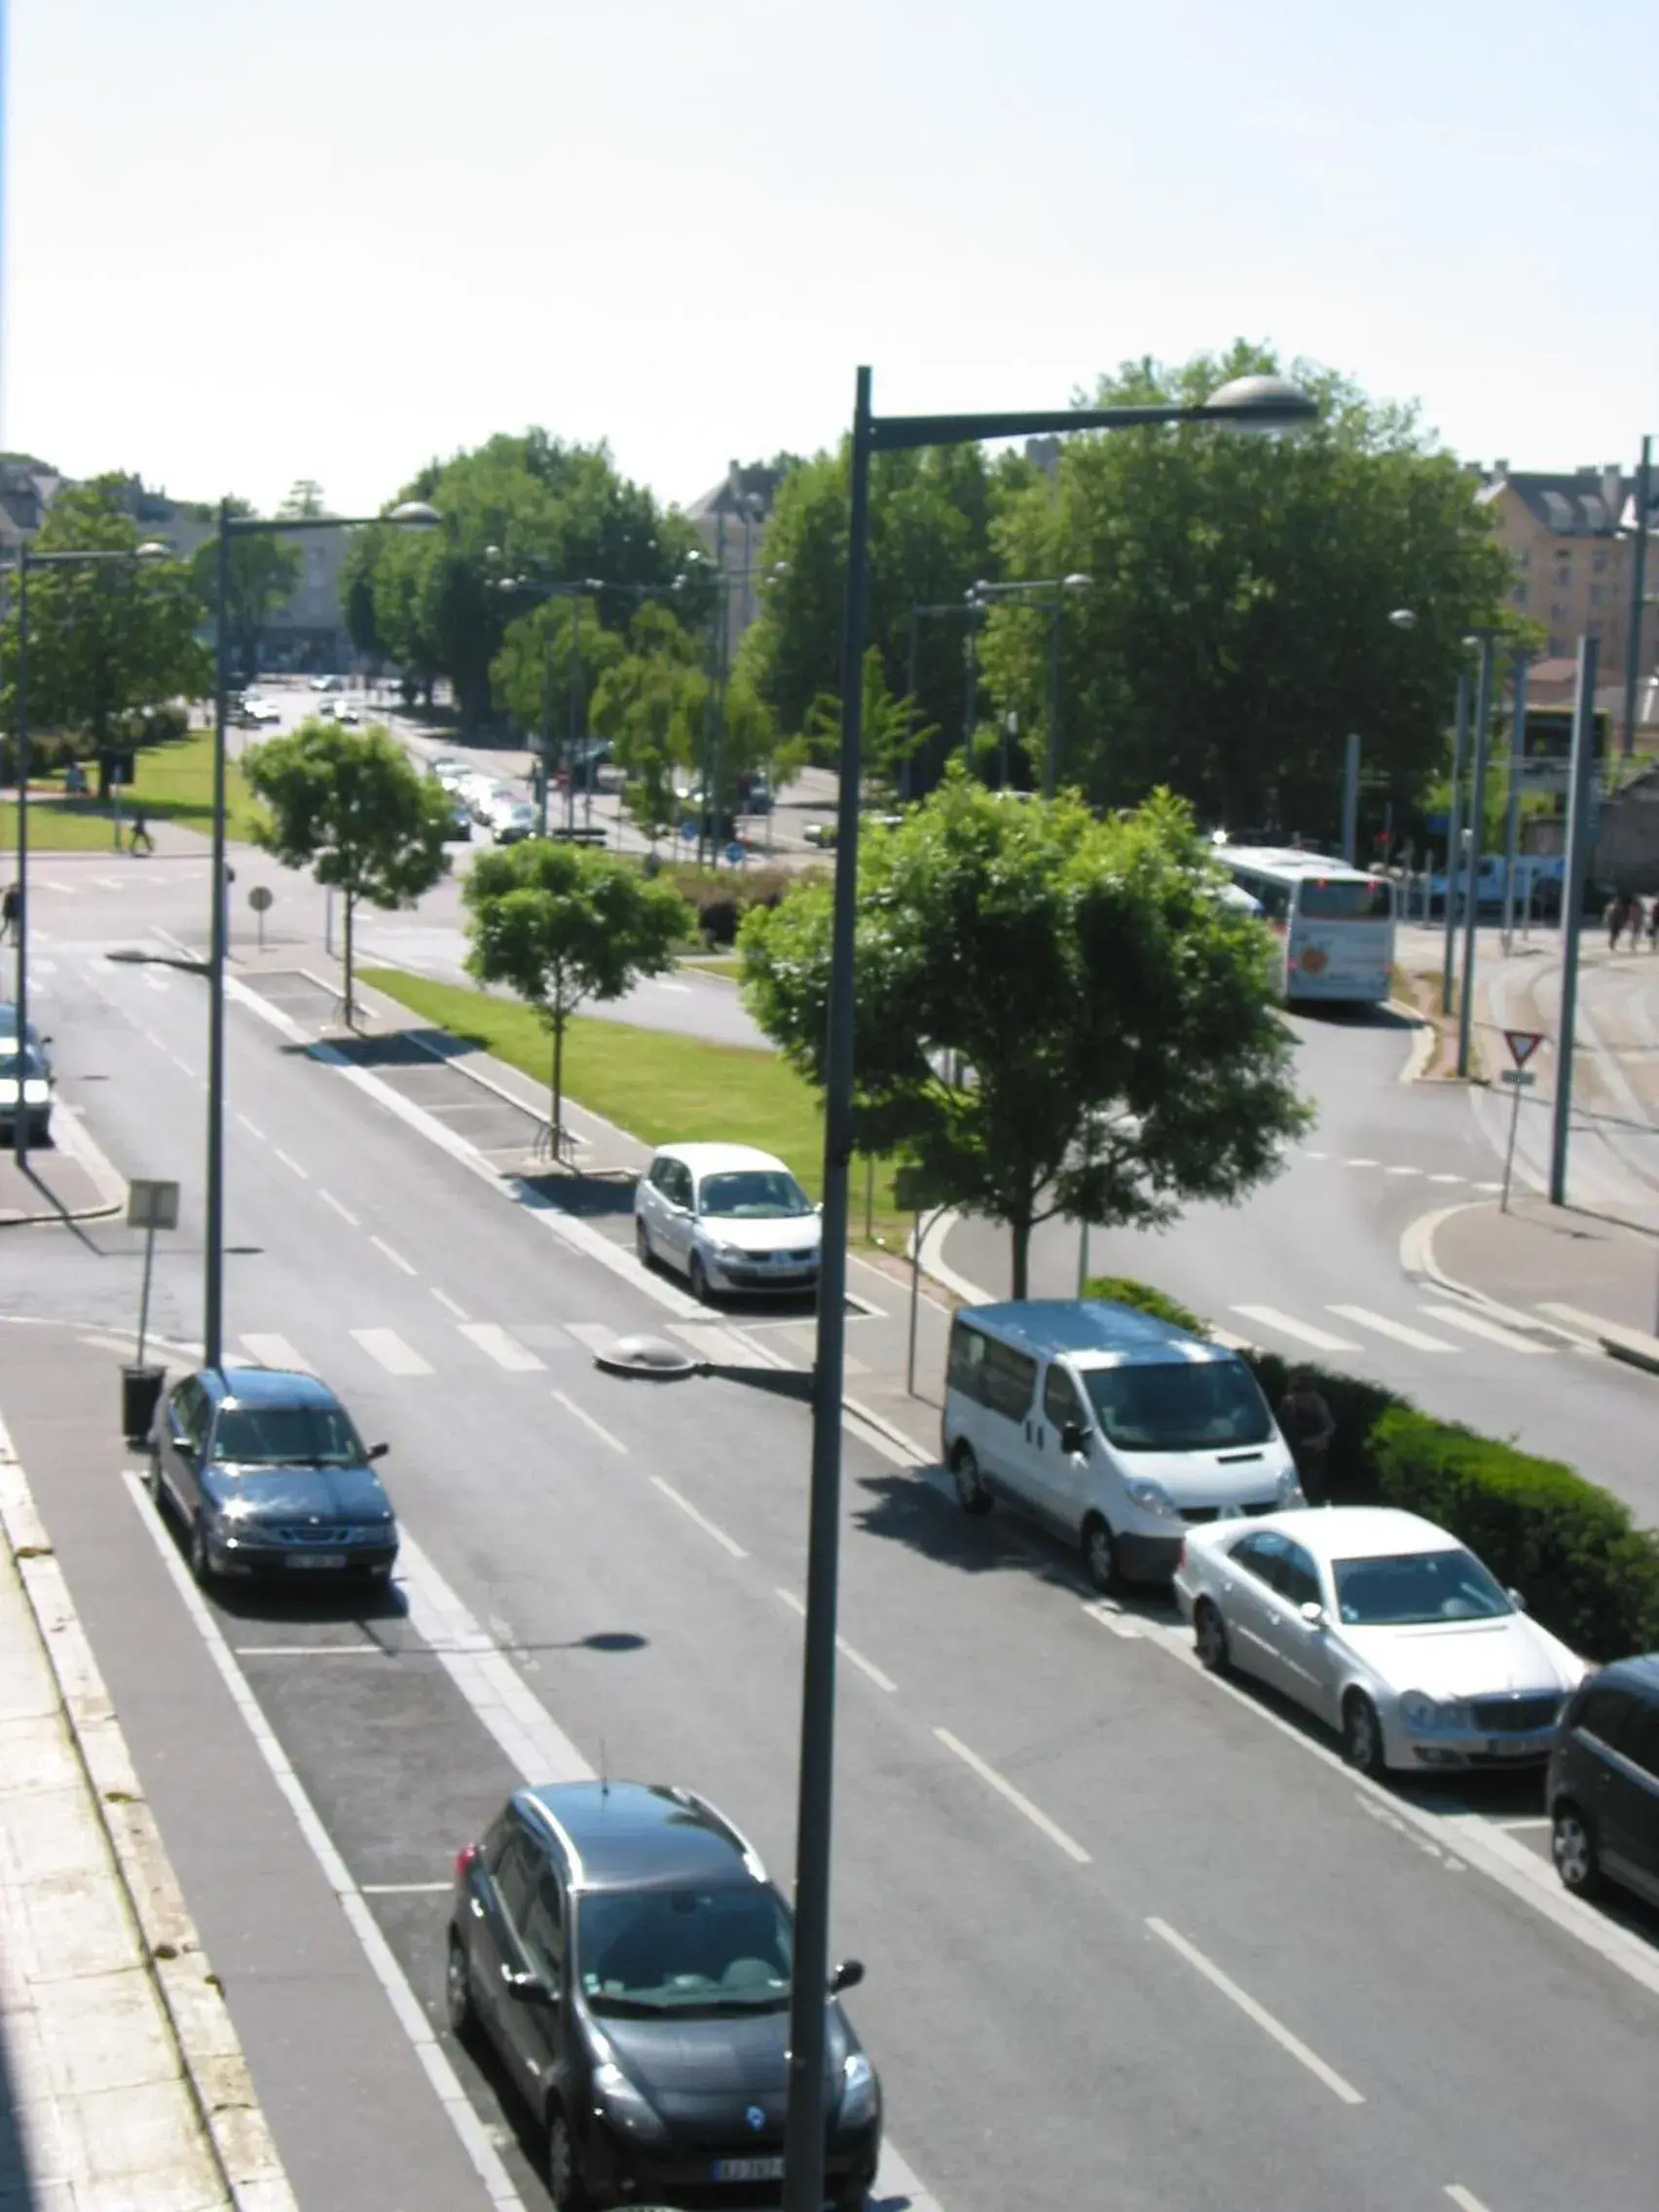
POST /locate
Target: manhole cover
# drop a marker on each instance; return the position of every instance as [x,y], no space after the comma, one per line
[653,1356]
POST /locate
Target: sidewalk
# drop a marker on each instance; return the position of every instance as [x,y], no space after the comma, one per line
[1570,1268]
[67,1180]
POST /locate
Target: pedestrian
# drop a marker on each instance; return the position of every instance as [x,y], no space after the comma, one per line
[1616,920]
[10,913]
[140,828]
[1653,925]
[1308,1427]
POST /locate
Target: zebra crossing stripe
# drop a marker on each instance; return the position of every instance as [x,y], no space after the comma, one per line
[1402,1333]
[388,1347]
[1303,1332]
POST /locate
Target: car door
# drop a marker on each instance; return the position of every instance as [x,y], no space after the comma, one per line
[1008,1384]
[498,1904]
[535,2030]
[654,1203]
[1061,1476]
[681,1219]
[1301,1660]
[1627,1806]
[1248,1600]
[179,1442]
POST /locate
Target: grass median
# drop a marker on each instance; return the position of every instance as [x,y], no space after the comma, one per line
[662,1087]
[174,784]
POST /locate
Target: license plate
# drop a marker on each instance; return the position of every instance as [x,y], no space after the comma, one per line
[748,2169]
[315,1562]
[1515,1746]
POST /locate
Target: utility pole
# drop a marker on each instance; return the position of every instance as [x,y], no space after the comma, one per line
[1580,800]
[1454,837]
[1638,594]
[1517,764]
[1477,826]
[1351,797]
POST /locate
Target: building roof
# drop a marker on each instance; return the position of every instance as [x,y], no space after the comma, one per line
[1571,503]
[635,1836]
[751,488]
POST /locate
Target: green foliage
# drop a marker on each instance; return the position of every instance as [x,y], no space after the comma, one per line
[107,639]
[1123,1290]
[1356,1406]
[304,499]
[550,661]
[1114,1016]
[263,572]
[890,729]
[651,703]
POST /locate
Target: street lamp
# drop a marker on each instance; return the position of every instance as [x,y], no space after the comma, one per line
[1486,638]
[70,557]
[1261,403]
[410,514]
[1057,608]
[954,608]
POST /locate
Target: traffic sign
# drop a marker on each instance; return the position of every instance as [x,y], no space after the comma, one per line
[1521,1080]
[1522,1044]
[152,1205]
[261,899]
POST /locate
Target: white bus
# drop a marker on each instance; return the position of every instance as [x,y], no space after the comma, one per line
[1335,924]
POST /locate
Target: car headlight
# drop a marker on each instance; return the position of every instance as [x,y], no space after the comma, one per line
[624,2104]
[233,1509]
[1290,1489]
[858,2091]
[728,1255]
[1154,1498]
[1423,1712]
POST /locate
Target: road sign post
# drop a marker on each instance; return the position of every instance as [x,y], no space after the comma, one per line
[1522,1044]
[148,1206]
[261,900]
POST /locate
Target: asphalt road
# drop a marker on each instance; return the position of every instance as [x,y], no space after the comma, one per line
[1131,1941]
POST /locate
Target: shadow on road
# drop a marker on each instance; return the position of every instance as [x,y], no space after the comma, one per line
[1346,1015]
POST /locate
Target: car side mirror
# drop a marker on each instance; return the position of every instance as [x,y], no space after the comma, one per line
[531,1988]
[1074,1437]
[847,1976]
[1516,1600]
[1312,1612]
[378,1450]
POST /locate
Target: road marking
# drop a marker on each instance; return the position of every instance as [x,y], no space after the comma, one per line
[411,2015]
[344,1212]
[684,988]
[1465,2199]
[1517,1820]
[1262,2018]
[111,882]
[1402,1333]
[1489,1186]
[587,1420]
[389,1348]
[1228,1341]
[311,1651]
[1477,1325]
[506,1351]
[1446,1178]
[276,1152]
[252,1127]
[1270,1317]
[274,1351]
[1111,1617]
[396,1258]
[1307,1155]
[708,1528]
[1360,1163]
[444,1299]
[1405,1171]
[848,1652]
[405,1889]
[53,884]
[184,1065]
[1016,1799]
[592,1335]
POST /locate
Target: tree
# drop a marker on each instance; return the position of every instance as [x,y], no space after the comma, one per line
[532,674]
[348,804]
[560,924]
[262,572]
[1237,627]
[1112,1016]
[650,705]
[891,730]
[304,499]
[108,640]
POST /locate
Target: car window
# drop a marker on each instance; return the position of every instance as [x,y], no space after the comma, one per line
[1060,1401]
[684,1951]
[1260,1555]
[187,1407]
[1180,1406]
[1325,901]
[1415,1588]
[679,1183]
[1609,1714]
[515,1873]
[1010,1378]
[286,1436]
[542,1928]
[966,1372]
[753,1193]
[1298,1579]
[661,1170]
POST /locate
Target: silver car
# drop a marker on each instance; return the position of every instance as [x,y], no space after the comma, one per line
[1387,1628]
[730,1218]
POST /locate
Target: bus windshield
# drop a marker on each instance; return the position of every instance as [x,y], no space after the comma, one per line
[1346,900]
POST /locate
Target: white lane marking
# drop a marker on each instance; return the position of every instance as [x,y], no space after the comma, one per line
[1360,1163]
[707,1527]
[1418,1340]
[311,1651]
[53,884]
[1477,1325]
[853,1657]
[1228,1341]
[344,1212]
[405,1889]
[411,2015]
[581,1414]
[1405,1171]
[304,1174]
[592,1335]
[252,1127]
[721,1346]
[270,1351]
[506,1351]
[1270,1317]
[445,1300]
[1465,2199]
[1264,2019]
[396,1258]
[1515,1822]
[389,1348]
[1307,1155]
[184,1065]
[1111,1617]
[1016,1799]
[1487,1186]
[111,882]
[684,988]
[1446,1178]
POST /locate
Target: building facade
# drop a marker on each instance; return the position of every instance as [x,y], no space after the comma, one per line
[731,521]
[1570,537]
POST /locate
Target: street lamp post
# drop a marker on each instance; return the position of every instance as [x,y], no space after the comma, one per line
[1518,667]
[1056,608]
[575,593]
[1637,590]
[1260,402]
[955,609]
[411,514]
[1477,824]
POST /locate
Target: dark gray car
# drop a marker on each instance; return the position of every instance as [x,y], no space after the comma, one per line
[1603,1782]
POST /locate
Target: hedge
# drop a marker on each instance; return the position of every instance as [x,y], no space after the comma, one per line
[1588,1574]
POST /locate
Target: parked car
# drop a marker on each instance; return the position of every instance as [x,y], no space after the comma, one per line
[729,1217]
[513,820]
[1603,1782]
[449,771]
[27,1087]
[345,712]
[1115,1429]
[460,831]
[621,1946]
[1387,1628]
[270,1477]
[486,794]
[259,710]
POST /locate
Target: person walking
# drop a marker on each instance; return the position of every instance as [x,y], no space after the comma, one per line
[11,914]
[1308,1425]
[1616,920]
[1653,925]
[141,830]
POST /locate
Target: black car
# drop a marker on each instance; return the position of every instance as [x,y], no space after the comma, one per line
[623,1949]
[1603,1782]
[271,1476]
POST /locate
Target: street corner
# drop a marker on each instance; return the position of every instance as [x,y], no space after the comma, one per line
[66,1180]
[1559,1269]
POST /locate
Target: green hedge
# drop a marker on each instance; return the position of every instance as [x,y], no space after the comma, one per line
[1588,1574]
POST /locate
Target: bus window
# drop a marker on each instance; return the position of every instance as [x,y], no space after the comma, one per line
[1346,901]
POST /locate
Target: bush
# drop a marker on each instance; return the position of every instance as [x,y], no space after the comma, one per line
[1123,1290]
[717,921]
[1356,1406]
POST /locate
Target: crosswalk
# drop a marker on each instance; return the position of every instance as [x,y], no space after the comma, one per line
[446,1349]
[1271,1323]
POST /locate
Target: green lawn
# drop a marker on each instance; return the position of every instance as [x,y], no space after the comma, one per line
[731,966]
[665,1088]
[176,784]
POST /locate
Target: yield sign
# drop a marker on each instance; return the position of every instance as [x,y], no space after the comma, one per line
[1522,1044]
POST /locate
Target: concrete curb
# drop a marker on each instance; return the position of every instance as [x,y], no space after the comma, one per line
[111,1185]
[191,1996]
[1417,1259]
[1633,1354]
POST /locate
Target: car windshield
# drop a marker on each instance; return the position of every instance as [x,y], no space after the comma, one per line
[1415,1588]
[1345,901]
[286,1436]
[753,1193]
[1179,1406]
[698,1951]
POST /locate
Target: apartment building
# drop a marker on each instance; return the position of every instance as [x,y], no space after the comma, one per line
[1570,535]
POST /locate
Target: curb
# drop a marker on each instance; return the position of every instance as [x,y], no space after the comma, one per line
[1632,1354]
[1417,1259]
[76,1145]
[191,1998]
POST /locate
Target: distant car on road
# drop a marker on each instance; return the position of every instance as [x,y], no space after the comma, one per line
[27,1087]
[1603,1782]
[447,771]
[729,1217]
[621,1946]
[327,684]
[345,712]
[513,820]
[270,1477]
[1387,1628]
[260,709]
[460,831]
[485,794]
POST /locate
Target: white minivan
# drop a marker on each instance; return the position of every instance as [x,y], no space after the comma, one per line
[1115,1429]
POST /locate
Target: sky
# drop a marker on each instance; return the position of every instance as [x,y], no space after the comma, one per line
[248,242]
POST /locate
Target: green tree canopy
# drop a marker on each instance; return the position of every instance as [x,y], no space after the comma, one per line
[1054,1014]
[652,704]
[1237,628]
[550,660]
[560,924]
[348,804]
[263,570]
[108,640]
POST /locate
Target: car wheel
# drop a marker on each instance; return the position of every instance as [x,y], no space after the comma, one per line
[1099,1553]
[1362,1735]
[642,1241]
[200,1562]
[459,2007]
[564,2165]
[971,1492]
[1572,1846]
[697,1275]
[1210,1638]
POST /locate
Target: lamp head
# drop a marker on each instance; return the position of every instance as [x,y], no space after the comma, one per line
[1404,619]
[1078,582]
[414,514]
[1263,403]
[153,549]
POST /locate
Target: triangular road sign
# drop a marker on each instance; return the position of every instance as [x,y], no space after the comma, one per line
[1522,1044]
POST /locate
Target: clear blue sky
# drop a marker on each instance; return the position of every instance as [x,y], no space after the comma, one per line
[250,241]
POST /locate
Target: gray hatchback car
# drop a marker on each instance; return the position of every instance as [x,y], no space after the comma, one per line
[1603,1782]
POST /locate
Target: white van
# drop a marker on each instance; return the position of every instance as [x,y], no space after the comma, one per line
[1115,1429]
